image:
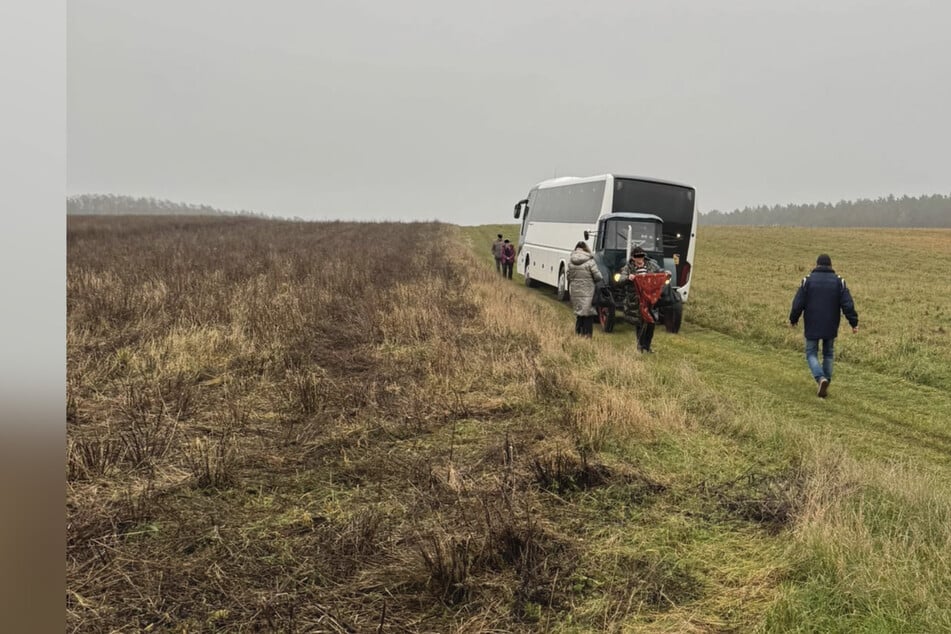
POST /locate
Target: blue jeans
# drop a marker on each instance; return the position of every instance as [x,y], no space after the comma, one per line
[812,357]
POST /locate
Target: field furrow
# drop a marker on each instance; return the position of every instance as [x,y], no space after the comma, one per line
[871,413]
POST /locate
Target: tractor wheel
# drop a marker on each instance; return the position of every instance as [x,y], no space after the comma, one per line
[673,317]
[606,318]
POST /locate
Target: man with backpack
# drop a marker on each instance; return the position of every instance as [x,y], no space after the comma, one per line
[821,296]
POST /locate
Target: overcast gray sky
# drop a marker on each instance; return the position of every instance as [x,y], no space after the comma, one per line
[432,109]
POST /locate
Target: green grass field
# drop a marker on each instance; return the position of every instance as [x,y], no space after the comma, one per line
[267,436]
[876,558]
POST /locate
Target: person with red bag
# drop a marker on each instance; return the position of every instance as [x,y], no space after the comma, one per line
[644,291]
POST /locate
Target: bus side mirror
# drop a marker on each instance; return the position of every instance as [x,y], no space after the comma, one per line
[518,207]
[586,234]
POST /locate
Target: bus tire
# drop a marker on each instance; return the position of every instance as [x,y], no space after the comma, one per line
[529,282]
[606,318]
[562,290]
[673,317]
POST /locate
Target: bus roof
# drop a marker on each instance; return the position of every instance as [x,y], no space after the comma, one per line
[568,180]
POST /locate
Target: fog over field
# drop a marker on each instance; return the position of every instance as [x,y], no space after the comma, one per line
[425,109]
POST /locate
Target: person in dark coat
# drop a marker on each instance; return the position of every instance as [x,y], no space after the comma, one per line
[822,298]
[508,259]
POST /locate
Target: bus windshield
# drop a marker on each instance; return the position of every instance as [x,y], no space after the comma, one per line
[643,234]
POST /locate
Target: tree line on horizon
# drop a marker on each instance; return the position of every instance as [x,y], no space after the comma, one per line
[116,204]
[908,211]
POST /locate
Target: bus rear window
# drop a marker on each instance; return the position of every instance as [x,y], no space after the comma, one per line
[671,202]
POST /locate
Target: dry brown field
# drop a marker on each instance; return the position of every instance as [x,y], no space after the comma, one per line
[279,426]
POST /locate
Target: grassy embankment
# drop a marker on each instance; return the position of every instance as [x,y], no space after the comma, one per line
[264,433]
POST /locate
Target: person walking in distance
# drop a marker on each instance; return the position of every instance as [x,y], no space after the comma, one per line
[508,258]
[497,253]
[583,274]
[639,264]
[821,299]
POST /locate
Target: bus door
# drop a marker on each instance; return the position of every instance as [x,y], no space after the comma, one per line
[526,212]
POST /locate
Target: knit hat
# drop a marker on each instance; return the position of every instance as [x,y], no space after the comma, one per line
[638,252]
[824,260]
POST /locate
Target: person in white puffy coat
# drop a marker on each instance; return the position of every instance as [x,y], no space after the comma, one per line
[583,274]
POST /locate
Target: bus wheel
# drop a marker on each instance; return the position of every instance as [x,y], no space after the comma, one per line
[673,317]
[529,282]
[562,291]
[606,317]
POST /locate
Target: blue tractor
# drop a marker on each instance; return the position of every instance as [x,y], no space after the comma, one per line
[616,236]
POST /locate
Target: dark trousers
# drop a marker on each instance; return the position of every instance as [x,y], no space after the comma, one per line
[507,269]
[584,325]
[498,265]
[644,336]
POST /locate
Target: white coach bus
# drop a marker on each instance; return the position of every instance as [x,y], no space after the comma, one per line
[562,211]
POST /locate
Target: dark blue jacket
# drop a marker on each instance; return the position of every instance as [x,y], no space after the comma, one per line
[821,296]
